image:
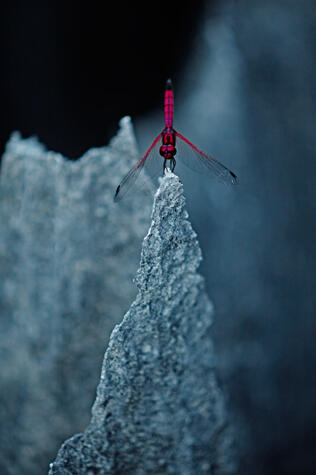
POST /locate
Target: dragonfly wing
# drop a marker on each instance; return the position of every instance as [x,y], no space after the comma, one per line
[131,177]
[201,162]
[128,181]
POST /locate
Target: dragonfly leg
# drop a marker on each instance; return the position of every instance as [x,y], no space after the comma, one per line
[171,162]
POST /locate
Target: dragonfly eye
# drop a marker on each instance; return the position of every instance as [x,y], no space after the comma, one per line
[163,150]
[171,149]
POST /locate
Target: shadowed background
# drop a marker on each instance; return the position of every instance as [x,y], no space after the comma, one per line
[244,90]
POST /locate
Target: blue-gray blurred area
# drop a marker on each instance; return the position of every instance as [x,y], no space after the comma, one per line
[68,257]
[244,76]
[248,97]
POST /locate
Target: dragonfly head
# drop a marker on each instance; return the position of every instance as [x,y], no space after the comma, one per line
[167,151]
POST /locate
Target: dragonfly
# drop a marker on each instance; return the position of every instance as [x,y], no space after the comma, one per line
[164,148]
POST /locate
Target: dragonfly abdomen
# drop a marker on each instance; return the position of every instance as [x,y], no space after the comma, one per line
[168,104]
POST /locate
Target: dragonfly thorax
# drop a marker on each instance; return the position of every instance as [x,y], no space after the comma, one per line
[168,136]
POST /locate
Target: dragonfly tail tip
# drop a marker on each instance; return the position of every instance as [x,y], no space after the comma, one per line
[169,84]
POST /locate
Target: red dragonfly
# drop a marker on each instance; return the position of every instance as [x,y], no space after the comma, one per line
[167,140]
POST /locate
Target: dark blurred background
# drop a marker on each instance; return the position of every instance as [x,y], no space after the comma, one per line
[245,90]
[70,71]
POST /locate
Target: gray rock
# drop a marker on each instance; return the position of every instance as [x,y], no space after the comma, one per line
[68,255]
[158,408]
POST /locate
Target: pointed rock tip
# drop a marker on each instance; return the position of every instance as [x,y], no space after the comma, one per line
[125,121]
[170,189]
[125,135]
[15,136]
[24,146]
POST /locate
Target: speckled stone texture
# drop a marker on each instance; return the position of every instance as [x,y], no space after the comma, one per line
[159,409]
[68,256]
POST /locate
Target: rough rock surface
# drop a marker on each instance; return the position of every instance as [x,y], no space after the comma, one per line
[68,255]
[158,407]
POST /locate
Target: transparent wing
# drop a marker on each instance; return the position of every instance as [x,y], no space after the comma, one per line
[150,158]
[201,162]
